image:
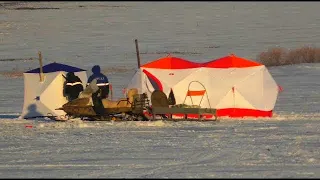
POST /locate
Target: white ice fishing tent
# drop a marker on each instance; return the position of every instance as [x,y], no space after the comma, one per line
[42,98]
[161,74]
[235,86]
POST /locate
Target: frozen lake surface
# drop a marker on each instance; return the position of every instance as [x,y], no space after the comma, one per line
[87,33]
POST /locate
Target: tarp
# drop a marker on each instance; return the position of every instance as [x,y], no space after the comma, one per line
[55,67]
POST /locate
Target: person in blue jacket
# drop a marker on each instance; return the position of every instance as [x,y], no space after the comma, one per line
[103,92]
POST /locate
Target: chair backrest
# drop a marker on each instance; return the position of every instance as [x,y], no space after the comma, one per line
[196,93]
[191,93]
[159,99]
[131,93]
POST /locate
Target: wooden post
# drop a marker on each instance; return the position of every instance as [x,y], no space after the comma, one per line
[137,51]
[41,70]
[111,91]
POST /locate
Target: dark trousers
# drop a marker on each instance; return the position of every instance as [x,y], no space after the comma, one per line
[97,100]
[72,97]
[104,91]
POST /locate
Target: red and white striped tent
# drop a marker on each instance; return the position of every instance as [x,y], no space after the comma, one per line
[235,86]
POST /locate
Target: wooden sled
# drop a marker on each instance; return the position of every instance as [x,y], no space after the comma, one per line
[130,108]
[160,106]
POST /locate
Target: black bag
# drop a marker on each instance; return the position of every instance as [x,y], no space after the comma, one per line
[171,98]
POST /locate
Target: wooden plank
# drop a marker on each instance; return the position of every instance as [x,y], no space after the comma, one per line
[185,111]
[166,110]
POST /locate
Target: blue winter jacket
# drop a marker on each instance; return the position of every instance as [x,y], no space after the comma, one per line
[102,80]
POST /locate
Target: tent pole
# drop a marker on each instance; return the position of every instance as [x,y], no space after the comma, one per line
[137,51]
[41,70]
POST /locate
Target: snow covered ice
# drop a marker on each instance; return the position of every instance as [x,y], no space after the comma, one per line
[160,149]
[284,146]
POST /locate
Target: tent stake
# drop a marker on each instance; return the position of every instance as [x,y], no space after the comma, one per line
[41,70]
[137,51]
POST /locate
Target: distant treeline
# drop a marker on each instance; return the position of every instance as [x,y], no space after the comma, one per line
[33,8]
[19,59]
[170,52]
[279,56]
[32,5]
